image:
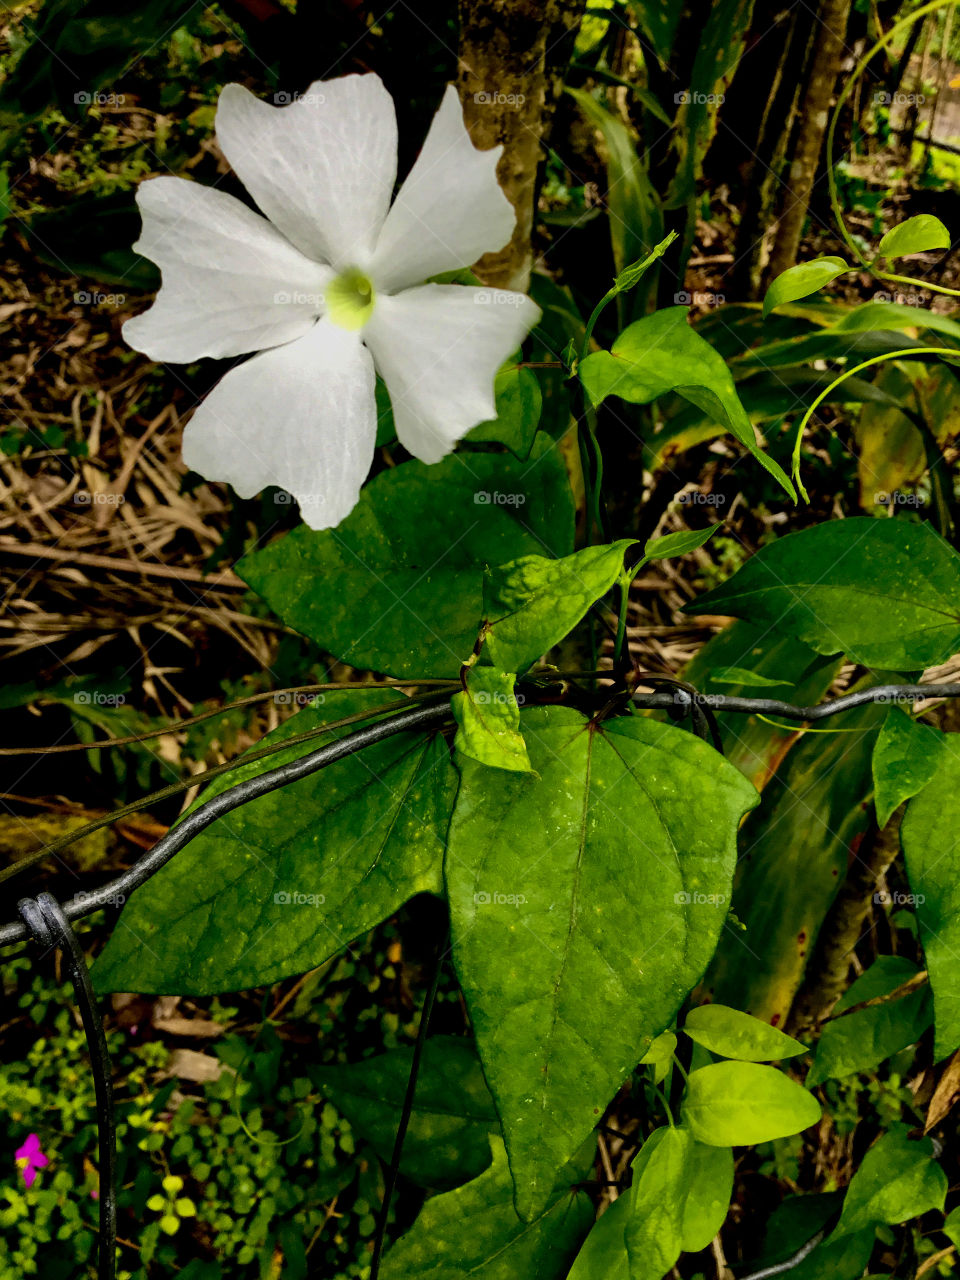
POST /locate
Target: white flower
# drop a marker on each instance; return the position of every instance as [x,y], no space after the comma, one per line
[328,287]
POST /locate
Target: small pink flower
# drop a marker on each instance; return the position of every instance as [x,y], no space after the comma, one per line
[30,1158]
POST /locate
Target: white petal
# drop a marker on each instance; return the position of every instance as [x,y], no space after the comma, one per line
[438,348]
[449,211]
[302,417]
[231,282]
[322,169]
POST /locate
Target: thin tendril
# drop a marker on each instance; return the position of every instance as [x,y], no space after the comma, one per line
[943,352]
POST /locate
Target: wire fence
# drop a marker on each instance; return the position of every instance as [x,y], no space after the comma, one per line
[48,924]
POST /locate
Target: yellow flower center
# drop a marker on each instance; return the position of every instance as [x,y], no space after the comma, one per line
[350,299]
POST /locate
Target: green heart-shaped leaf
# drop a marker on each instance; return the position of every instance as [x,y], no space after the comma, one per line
[731,1104]
[397,587]
[285,882]
[588,897]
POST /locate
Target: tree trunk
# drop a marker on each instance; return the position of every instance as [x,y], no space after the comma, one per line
[814,116]
[507,94]
[911,117]
[760,174]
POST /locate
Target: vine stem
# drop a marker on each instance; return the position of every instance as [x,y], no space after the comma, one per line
[393,1170]
[585,411]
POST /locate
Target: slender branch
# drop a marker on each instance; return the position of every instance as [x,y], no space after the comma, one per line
[683,697]
[829,966]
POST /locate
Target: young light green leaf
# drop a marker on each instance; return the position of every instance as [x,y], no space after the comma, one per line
[917,235]
[540,902]
[863,1039]
[662,353]
[929,838]
[709,1188]
[473,1233]
[740,1103]
[519,405]
[448,1139]
[905,758]
[660,1055]
[660,1180]
[733,1034]
[488,720]
[285,882]
[884,592]
[802,280]
[531,604]
[898,1179]
[951,1227]
[632,275]
[604,1255]
[678,544]
[397,586]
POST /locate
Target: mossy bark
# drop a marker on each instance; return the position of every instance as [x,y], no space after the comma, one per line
[506,54]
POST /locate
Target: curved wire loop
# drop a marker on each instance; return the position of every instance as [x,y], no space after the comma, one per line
[50,929]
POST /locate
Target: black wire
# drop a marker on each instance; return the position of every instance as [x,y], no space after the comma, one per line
[882,693]
[242,793]
[789,1263]
[433,712]
[49,927]
[393,1171]
[687,701]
